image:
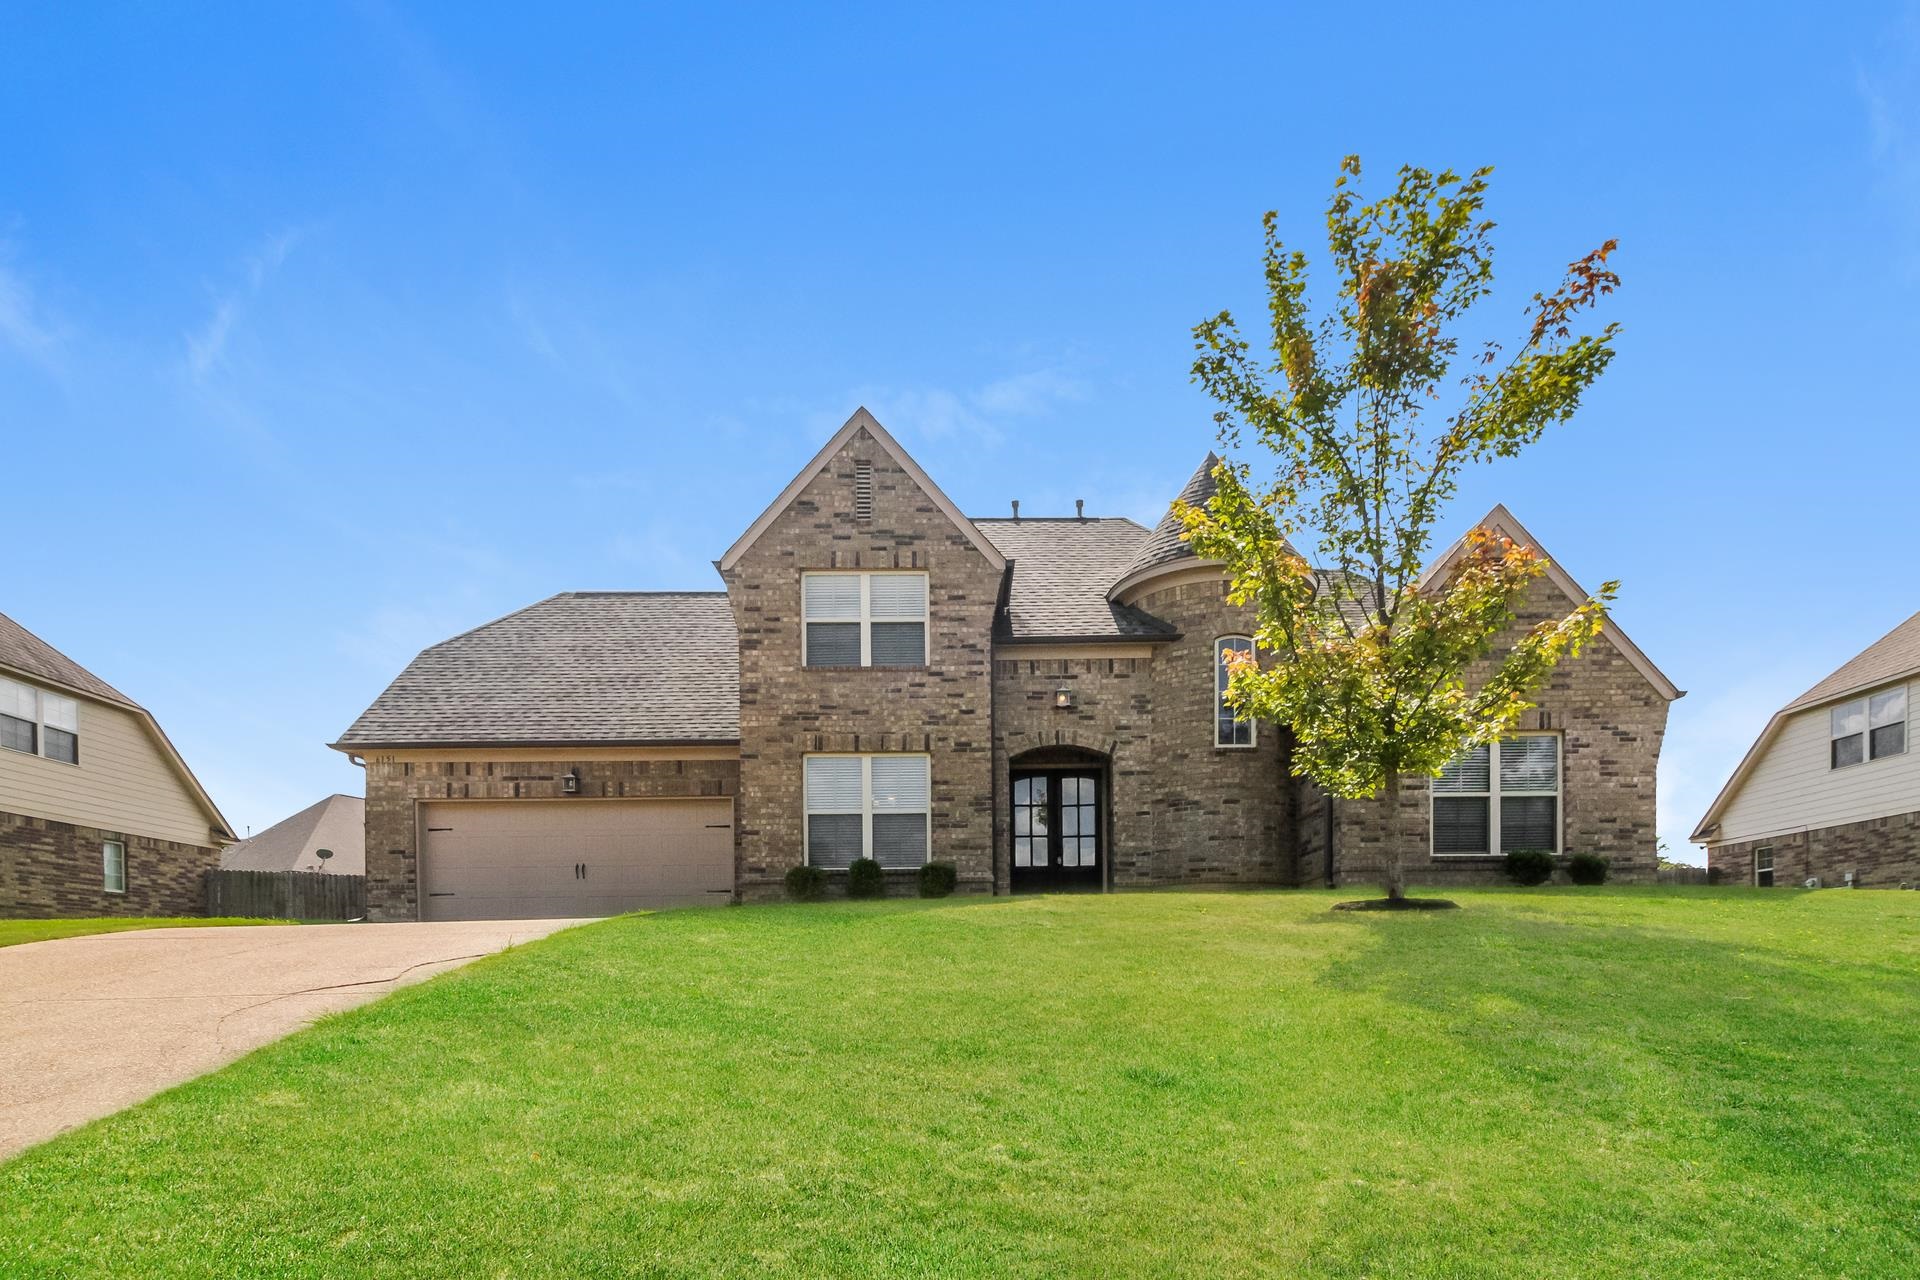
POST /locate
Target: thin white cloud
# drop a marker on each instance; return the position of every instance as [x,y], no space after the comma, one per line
[25,326]
[207,345]
[1890,92]
[979,414]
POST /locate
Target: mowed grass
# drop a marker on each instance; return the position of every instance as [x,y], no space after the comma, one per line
[1557,1083]
[14,932]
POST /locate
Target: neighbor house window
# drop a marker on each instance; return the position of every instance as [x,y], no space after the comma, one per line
[1230,729]
[38,722]
[1868,728]
[867,806]
[1763,867]
[1483,811]
[113,866]
[864,619]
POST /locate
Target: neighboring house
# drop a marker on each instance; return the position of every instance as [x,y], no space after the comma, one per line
[1036,701]
[329,837]
[99,815]
[1831,789]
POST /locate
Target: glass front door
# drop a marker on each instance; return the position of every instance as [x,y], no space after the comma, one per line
[1058,835]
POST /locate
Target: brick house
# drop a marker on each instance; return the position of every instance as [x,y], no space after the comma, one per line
[1830,791]
[1035,700]
[99,815]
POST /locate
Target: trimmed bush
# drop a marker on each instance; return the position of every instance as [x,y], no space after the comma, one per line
[1529,866]
[1587,868]
[806,884]
[865,880]
[937,879]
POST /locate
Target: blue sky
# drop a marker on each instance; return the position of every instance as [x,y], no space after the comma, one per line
[329,333]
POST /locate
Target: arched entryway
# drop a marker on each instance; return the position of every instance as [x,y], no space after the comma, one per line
[1060,824]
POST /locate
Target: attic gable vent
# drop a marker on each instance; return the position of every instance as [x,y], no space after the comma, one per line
[863,491]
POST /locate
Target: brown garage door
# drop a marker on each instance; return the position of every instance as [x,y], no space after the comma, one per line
[517,860]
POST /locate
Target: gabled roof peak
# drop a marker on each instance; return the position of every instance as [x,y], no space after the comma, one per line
[1504,522]
[862,421]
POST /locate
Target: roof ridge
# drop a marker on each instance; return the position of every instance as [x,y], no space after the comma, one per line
[588,595]
[1025,519]
[495,622]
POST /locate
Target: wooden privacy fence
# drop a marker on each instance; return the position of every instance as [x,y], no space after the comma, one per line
[286,895]
[1682,875]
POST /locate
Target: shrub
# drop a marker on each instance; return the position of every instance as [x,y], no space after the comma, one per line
[806,884]
[1530,866]
[937,879]
[865,880]
[1587,868]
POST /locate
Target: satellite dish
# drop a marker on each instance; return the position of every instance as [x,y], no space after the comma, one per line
[323,854]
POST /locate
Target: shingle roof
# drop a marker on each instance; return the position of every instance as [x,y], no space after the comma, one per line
[626,667]
[1893,655]
[24,651]
[1165,544]
[337,823]
[1062,568]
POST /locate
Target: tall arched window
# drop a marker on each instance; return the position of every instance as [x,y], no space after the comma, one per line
[1229,729]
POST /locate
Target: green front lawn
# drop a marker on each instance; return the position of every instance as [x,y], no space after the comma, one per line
[14,932]
[1565,1083]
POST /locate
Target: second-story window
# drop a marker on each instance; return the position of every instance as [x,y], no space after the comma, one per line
[1868,728]
[1230,728]
[38,722]
[876,619]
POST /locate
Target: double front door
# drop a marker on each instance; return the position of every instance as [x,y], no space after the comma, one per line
[1058,830]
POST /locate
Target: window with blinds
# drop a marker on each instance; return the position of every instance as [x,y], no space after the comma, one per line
[1868,728]
[868,806]
[1488,803]
[864,619]
[39,722]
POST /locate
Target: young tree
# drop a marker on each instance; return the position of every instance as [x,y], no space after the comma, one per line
[1369,429]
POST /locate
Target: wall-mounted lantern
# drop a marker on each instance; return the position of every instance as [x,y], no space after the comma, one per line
[1063,698]
[571,783]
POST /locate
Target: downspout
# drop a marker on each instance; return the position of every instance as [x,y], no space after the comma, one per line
[1328,816]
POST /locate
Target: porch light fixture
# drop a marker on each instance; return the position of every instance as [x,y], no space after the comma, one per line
[571,783]
[1063,698]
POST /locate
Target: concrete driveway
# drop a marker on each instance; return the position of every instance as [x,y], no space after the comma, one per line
[91,1025]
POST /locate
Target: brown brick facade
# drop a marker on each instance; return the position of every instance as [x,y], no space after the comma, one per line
[1052,642]
[1611,722]
[396,787]
[1221,815]
[1882,853]
[788,710]
[1110,721]
[52,868]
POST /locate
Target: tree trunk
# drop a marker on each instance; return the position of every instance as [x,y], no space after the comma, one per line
[1395,879]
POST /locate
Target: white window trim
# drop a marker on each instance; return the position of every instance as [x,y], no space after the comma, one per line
[865,616]
[1770,868]
[1865,702]
[1493,794]
[866,759]
[106,880]
[40,725]
[1219,696]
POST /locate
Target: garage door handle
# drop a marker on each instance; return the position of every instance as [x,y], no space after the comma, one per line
[447,894]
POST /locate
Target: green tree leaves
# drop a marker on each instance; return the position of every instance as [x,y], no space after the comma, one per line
[1364,661]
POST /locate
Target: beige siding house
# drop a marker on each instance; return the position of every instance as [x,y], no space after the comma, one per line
[99,815]
[1831,789]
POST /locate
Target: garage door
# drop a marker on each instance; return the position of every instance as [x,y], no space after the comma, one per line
[519,860]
